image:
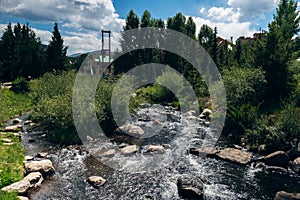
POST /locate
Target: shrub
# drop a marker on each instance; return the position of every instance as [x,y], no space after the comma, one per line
[20,85]
[244,85]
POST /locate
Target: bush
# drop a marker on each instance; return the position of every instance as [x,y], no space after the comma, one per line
[278,131]
[244,85]
[240,118]
[20,85]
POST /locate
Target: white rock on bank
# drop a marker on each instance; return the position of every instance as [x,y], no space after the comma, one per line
[43,166]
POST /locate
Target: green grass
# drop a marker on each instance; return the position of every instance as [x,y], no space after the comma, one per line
[11,157]
[12,104]
[11,160]
[8,196]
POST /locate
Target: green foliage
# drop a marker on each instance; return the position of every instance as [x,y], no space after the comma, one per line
[52,97]
[278,131]
[244,85]
[240,118]
[11,167]
[12,104]
[20,85]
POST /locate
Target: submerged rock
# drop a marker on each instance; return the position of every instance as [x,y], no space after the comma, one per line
[204,151]
[235,155]
[96,181]
[276,169]
[129,149]
[190,187]
[44,166]
[278,158]
[131,130]
[287,196]
[295,165]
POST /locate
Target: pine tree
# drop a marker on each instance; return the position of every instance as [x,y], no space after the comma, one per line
[278,50]
[56,53]
[21,53]
[190,28]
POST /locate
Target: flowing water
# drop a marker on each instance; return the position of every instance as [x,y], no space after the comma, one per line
[153,175]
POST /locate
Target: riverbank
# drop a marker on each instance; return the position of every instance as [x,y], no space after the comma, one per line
[11,167]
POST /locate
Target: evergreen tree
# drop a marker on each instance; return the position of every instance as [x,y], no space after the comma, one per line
[131,59]
[7,55]
[146,19]
[21,53]
[190,28]
[278,50]
[56,52]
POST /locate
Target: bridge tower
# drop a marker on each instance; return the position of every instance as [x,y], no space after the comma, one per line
[106,52]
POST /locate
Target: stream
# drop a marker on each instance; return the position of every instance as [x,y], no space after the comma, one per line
[134,179]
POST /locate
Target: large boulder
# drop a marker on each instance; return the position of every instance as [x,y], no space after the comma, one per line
[287,196]
[20,187]
[35,179]
[235,155]
[295,165]
[129,149]
[204,151]
[130,129]
[96,181]
[206,114]
[278,158]
[190,187]
[44,166]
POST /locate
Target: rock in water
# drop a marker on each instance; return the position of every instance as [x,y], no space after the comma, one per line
[129,149]
[19,187]
[278,158]
[131,130]
[235,155]
[96,181]
[287,196]
[295,165]
[190,187]
[42,154]
[204,151]
[43,166]
[152,148]
[35,179]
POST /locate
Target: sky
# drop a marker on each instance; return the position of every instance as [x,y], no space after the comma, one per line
[80,21]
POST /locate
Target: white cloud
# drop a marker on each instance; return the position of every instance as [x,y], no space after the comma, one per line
[87,16]
[249,8]
[202,10]
[226,30]
[224,14]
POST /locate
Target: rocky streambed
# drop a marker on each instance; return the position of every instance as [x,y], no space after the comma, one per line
[152,168]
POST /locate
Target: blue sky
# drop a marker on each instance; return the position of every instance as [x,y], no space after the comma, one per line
[80,20]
